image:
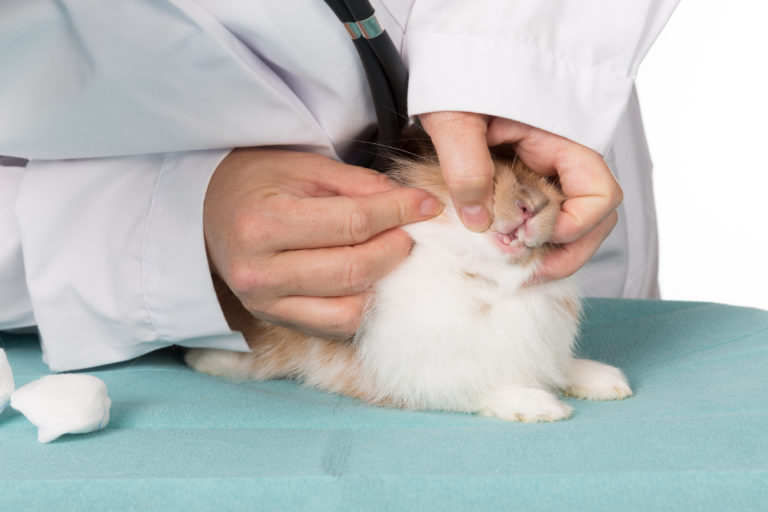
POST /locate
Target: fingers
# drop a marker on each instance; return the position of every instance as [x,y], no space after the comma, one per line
[504,131]
[460,141]
[592,194]
[323,292]
[568,258]
[335,271]
[581,215]
[339,179]
[307,174]
[329,317]
[337,221]
[536,147]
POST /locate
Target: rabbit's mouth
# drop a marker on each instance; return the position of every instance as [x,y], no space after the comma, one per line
[510,243]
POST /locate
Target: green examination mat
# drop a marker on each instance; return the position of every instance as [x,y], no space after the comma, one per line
[694,436]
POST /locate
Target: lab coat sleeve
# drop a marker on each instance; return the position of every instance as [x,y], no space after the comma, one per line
[563,66]
[112,78]
[115,257]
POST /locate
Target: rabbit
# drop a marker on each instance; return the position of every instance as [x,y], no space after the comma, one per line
[455,326]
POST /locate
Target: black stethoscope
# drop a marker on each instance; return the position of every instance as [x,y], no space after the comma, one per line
[384,69]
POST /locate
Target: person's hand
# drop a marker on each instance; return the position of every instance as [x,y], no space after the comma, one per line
[592,194]
[460,140]
[300,238]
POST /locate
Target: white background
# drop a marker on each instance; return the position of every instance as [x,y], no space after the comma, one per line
[704,92]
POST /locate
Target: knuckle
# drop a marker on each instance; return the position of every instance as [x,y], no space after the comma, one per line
[350,317]
[401,210]
[399,244]
[359,225]
[618,193]
[241,278]
[241,229]
[245,280]
[468,181]
[253,227]
[248,230]
[356,275]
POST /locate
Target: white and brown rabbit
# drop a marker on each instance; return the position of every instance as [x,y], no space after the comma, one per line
[453,327]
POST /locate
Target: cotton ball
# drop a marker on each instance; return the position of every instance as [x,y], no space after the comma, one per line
[6,380]
[63,404]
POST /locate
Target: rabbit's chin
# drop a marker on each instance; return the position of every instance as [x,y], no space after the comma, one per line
[449,244]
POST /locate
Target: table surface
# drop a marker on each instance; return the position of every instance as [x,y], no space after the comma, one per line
[694,436]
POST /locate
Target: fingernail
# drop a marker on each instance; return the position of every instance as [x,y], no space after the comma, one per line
[430,207]
[475,217]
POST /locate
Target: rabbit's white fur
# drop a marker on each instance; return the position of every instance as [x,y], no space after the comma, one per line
[453,325]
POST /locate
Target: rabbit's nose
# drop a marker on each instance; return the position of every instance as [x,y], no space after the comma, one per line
[531,202]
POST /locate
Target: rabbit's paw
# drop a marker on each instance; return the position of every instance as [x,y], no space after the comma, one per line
[513,403]
[596,381]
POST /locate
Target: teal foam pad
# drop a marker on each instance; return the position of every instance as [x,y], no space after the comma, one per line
[694,436]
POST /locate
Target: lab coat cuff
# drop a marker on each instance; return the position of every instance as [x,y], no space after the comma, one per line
[178,290]
[506,78]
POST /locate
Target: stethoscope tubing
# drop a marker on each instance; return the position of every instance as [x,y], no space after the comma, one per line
[384,69]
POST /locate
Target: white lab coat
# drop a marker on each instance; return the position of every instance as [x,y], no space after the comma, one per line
[126,108]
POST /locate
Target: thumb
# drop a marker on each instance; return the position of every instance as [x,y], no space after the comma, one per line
[462,149]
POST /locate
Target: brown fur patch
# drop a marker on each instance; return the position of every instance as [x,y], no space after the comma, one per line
[280,352]
[572,306]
